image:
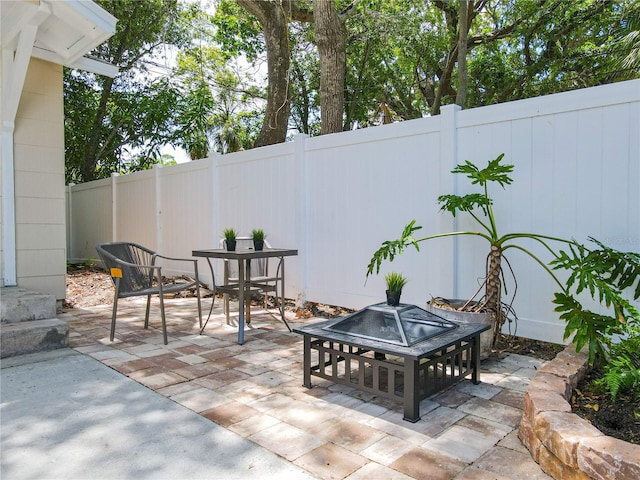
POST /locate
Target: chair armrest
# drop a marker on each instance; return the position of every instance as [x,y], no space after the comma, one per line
[192,260]
[176,259]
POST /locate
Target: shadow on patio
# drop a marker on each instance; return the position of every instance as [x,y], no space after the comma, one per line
[332,431]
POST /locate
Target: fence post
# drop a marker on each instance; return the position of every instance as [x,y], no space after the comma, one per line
[158,205]
[301,215]
[214,206]
[114,208]
[448,161]
[214,170]
[70,252]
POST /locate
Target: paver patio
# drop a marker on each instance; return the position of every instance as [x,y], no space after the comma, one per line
[333,431]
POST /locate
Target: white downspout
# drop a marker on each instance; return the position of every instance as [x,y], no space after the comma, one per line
[14,71]
[9,270]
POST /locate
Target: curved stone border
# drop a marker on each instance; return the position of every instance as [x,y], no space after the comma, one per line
[565,445]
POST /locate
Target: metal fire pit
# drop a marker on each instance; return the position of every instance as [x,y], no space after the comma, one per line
[401,325]
[373,358]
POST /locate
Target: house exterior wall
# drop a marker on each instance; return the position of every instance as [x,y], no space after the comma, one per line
[39,181]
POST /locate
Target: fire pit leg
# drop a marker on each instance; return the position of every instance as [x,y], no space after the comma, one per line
[475,359]
[411,390]
[307,362]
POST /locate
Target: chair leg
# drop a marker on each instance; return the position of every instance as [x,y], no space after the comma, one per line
[199,304]
[115,308]
[225,298]
[281,308]
[164,322]
[213,301]
[146,316]
[113,316]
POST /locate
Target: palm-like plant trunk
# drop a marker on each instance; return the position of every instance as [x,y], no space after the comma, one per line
[494,290]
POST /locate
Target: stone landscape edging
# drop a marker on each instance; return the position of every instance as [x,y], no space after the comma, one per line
[565,445]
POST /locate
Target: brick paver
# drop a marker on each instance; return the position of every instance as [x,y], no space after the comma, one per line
[333,431]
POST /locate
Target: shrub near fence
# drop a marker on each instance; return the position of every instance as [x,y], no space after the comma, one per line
[336,197]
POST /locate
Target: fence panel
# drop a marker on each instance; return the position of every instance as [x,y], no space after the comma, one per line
[361,193]
[337,197]
[257,189]
[186,208]
[135,208]
[89,214]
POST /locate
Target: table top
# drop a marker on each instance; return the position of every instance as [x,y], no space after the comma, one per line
[463,332]
[245,254]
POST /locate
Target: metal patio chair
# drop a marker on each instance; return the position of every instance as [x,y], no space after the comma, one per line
[134,273]
[263,281]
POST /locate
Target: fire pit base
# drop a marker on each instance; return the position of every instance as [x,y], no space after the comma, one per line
[409,373]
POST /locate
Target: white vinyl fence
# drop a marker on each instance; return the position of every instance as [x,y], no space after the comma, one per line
[337,197]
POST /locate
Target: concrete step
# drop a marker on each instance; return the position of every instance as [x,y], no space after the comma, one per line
[20,338]
[21,305]
[28,323]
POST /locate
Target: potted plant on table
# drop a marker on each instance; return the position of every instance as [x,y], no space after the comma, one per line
[603,272]
[230,239]
[395,283]
[258,238]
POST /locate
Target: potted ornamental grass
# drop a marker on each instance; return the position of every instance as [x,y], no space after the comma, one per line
[258,237]
[395,282]
[230,235]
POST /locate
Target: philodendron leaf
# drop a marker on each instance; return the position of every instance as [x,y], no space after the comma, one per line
[391,248]
[493,172]
[587,327]
[456,203]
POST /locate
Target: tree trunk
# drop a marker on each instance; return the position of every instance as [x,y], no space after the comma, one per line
[463,34]
[494,289]
[92,152]
[444,86]
[330,40]
[275,27]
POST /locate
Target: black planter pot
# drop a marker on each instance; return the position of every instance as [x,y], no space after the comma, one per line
[393,298]
[231,245]
[258,244]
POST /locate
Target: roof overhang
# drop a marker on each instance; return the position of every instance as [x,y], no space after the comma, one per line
[65,31]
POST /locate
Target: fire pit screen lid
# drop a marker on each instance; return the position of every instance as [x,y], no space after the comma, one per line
[401,325]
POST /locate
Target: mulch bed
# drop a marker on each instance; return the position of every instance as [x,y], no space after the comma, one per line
[619,419]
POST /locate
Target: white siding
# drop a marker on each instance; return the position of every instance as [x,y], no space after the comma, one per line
[39,181]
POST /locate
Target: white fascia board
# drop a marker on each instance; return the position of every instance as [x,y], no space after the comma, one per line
[97,15]
[95,66]
[83,63]
[93,24]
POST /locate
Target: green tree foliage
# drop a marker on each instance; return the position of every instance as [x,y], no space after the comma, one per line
[628,39]
[119,124]
[215,105]
[401,63]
